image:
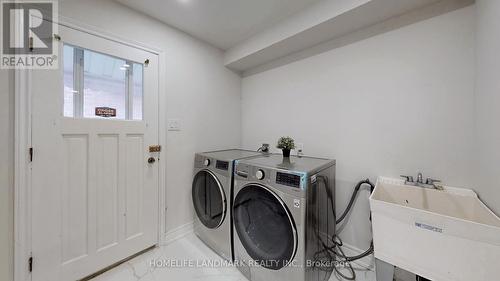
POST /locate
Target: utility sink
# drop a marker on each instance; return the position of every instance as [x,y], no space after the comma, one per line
[444,234]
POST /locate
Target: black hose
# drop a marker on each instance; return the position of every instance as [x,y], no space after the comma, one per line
[362,255]
[353,198]
[335,252]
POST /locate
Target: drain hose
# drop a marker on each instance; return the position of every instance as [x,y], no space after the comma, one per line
[335,253]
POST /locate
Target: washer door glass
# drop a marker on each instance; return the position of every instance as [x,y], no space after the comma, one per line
[264,226]
[209,199]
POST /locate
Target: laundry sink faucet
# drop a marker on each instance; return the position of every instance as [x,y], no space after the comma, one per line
[419,178]
[429,183]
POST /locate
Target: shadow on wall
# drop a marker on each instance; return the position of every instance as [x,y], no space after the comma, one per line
[487,102]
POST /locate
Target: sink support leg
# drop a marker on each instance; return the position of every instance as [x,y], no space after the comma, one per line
[384,271]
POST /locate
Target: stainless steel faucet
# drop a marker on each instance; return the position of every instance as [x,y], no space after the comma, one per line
[419,178]
[429,183]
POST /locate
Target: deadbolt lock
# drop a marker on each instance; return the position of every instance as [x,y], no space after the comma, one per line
[151,160]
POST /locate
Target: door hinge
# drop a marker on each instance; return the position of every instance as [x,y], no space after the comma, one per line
[31,154]
[31,44]
[30,264]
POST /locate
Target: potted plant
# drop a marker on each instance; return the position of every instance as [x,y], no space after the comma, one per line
[286,144]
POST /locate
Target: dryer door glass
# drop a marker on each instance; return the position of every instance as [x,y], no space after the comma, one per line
[209,199]
[265,227]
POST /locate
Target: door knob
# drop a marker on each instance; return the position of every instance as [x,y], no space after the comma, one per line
[151,160]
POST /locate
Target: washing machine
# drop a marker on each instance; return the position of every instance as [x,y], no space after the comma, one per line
[212,194]
[283,217]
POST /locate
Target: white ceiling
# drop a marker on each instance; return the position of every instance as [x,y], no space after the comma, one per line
[260,34]
[223,23]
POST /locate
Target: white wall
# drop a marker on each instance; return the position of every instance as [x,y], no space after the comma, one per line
[488,102]
[394,104]
[6,174]
[199,90]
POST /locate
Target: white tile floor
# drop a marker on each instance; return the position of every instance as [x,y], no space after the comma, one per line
[188,248]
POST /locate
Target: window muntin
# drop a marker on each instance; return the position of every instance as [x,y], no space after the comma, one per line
[68,76]
[138,79]
[95,80]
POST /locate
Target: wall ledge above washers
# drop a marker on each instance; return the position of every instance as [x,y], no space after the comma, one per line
[329,25]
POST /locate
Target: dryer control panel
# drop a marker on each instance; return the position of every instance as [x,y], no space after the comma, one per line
[222,165]
[295,180]
[288,179]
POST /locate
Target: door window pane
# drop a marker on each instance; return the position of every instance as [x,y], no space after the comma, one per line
[104,84]
[110,87]
[68,76]
[138,86]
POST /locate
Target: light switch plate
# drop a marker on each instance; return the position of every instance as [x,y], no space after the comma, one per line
[174,124]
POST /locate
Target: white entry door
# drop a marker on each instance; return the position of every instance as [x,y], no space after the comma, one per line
[94,179]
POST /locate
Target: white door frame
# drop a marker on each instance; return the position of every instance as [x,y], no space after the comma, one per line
[22,143]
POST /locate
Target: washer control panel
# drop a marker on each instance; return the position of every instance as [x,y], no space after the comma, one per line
[206,163]
[288,179]
[260,174]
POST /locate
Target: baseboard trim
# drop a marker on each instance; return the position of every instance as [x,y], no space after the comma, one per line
[177,233]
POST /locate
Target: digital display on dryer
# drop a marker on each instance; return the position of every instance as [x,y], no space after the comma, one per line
[222,165]
[288,179]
